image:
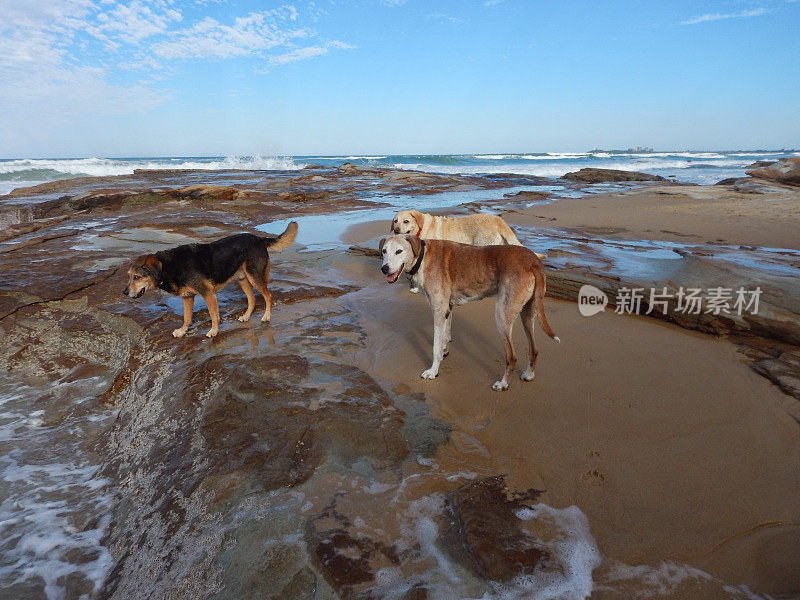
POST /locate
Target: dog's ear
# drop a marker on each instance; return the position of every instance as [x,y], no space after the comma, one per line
[416,245]
[380,245]
[419,218]
[152,264]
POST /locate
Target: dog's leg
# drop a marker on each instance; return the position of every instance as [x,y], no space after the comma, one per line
[268,299]
[247,288]
[259,281]
[448,325]
[505,321]
[528,314]
[439,332]
[188,307]
[213,310]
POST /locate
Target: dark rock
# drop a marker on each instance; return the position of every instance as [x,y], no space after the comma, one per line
[364,251]
[348,169]
[761,163]
[528,196]
[349,562]
[785,171]
[783,371]
[76,585]
[489,528]
[749,185]
[591,175]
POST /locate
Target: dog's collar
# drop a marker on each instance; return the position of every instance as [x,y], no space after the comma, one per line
[418,263]
[419,231]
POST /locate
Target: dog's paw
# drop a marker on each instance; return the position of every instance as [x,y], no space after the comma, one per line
[527,375]
[212,332]
[244,319]
[414,290]
[179,333]
[500,386]
[429,374]
[265,319]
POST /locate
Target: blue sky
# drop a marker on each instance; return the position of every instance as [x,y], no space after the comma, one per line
[222,77]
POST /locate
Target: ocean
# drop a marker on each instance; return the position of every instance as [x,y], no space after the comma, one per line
[692,167]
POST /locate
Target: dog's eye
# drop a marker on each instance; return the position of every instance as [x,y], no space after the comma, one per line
[398,252]
[137,277]
[406,221]
[384,250]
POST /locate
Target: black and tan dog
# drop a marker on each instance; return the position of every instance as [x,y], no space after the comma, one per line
[204,269]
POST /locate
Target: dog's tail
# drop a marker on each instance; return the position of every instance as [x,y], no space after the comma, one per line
[281,242]
[538,297]
[510,238]
[508,235]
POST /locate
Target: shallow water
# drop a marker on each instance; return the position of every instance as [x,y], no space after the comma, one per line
[54,508]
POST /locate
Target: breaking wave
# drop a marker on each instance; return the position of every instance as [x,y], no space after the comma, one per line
[688,166]
[28,169]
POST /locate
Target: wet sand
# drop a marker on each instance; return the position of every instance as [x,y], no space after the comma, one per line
[717,214]
[673,448]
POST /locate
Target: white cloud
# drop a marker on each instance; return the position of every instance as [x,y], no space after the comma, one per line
[719,16]
[132,22]
[56,55]
[305,53]
[298,54]
[246,36]
[36,44]
[444,18]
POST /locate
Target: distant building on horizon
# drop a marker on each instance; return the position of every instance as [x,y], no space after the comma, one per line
[637,150]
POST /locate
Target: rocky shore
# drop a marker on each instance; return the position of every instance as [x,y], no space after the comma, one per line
[305,459]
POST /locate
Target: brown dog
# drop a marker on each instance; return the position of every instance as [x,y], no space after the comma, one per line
[204,269]
[450,274]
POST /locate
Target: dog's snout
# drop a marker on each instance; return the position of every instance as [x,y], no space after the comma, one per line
[125,292]
[385,269]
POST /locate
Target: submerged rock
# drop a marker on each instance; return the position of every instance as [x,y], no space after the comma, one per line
[490,530]
[591,175]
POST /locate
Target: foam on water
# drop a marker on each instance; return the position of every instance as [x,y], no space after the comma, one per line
[575,567]
[54,509]
[25,171]
[574,555]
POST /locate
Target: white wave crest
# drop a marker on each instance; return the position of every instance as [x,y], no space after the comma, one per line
[102,167]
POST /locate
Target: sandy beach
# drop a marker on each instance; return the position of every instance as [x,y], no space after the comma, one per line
[665,438]
[715,214]
[649,455]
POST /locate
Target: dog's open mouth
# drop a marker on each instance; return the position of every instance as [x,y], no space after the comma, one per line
[140,293]
[393,277]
